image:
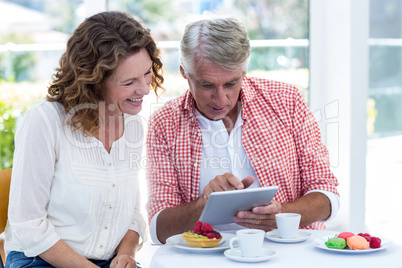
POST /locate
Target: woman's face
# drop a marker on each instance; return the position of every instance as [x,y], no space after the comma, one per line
[128,84]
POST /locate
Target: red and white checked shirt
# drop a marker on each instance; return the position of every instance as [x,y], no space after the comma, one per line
[279,135]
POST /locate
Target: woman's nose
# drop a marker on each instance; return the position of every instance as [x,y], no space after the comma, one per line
[144,87]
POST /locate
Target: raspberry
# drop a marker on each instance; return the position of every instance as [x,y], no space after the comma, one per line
[206,227]
[206,230]
[375,242]
[211,235]
[216,234]
[197,227]
[365,235]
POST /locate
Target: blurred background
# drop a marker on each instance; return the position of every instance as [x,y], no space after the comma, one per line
[344,56]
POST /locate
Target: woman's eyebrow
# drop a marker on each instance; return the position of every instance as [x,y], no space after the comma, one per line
[133,78]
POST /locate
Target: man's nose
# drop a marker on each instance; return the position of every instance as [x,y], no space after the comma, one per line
[220,96]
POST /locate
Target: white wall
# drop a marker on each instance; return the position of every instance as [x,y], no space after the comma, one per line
[338,94]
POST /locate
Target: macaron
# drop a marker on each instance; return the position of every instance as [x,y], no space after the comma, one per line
[345,235]
[357,242]
[336,242]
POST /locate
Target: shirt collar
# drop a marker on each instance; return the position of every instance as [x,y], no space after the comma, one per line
[189,102]
[247,92]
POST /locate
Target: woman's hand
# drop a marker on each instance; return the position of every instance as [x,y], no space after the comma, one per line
[123,261]
[125,251]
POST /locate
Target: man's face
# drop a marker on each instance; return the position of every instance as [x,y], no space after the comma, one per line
[216,90]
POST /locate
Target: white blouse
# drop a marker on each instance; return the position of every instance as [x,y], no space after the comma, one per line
[67,186]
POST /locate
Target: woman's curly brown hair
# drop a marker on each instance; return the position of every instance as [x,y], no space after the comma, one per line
[93,51]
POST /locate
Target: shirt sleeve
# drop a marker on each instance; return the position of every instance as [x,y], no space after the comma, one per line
[33,169]
[139,225]
[162,179]
[313,157]
[152,228]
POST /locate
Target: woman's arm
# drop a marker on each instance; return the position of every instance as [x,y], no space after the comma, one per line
[125,251]
[36,152]
[61,255]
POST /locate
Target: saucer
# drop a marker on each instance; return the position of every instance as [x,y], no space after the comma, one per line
[274,236]
[235,255]
[320,243]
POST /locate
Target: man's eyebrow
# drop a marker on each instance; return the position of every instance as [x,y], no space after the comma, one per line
[234,80]
[204,82]
[228,82]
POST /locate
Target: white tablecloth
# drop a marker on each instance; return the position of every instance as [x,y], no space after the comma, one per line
[303,254]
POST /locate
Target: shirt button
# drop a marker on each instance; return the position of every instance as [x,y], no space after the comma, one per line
[199,134]
[113,185]
[109,164]
[101,246]
[105,227]
[110,206]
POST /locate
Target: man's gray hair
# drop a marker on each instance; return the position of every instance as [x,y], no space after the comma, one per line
[223,41]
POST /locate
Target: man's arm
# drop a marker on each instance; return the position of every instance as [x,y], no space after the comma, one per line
[176,220]
[179,219]
[312,207]
[177,214]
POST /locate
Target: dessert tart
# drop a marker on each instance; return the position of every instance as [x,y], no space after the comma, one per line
[202,236]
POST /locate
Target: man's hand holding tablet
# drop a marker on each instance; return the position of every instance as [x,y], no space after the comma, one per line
[223,206]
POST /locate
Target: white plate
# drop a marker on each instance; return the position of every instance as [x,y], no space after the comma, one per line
[179,242]
[235,255]
[274,236]
[320,243]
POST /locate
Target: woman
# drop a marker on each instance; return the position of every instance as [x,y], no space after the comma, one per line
[74,198]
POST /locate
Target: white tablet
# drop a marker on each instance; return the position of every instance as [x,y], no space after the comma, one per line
[221,207]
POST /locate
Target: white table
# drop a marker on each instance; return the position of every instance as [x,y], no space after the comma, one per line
[303,254]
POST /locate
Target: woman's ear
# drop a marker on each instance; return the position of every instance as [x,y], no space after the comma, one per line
[183,73]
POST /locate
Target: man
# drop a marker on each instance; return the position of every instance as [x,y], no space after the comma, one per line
[229,132]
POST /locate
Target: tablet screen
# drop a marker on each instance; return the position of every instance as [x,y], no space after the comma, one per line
[221,207]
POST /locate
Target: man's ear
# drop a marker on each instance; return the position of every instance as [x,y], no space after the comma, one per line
[183,73]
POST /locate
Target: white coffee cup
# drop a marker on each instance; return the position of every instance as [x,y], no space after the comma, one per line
[288,224]
[250,242]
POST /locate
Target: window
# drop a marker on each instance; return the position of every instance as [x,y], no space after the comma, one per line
[384,124]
